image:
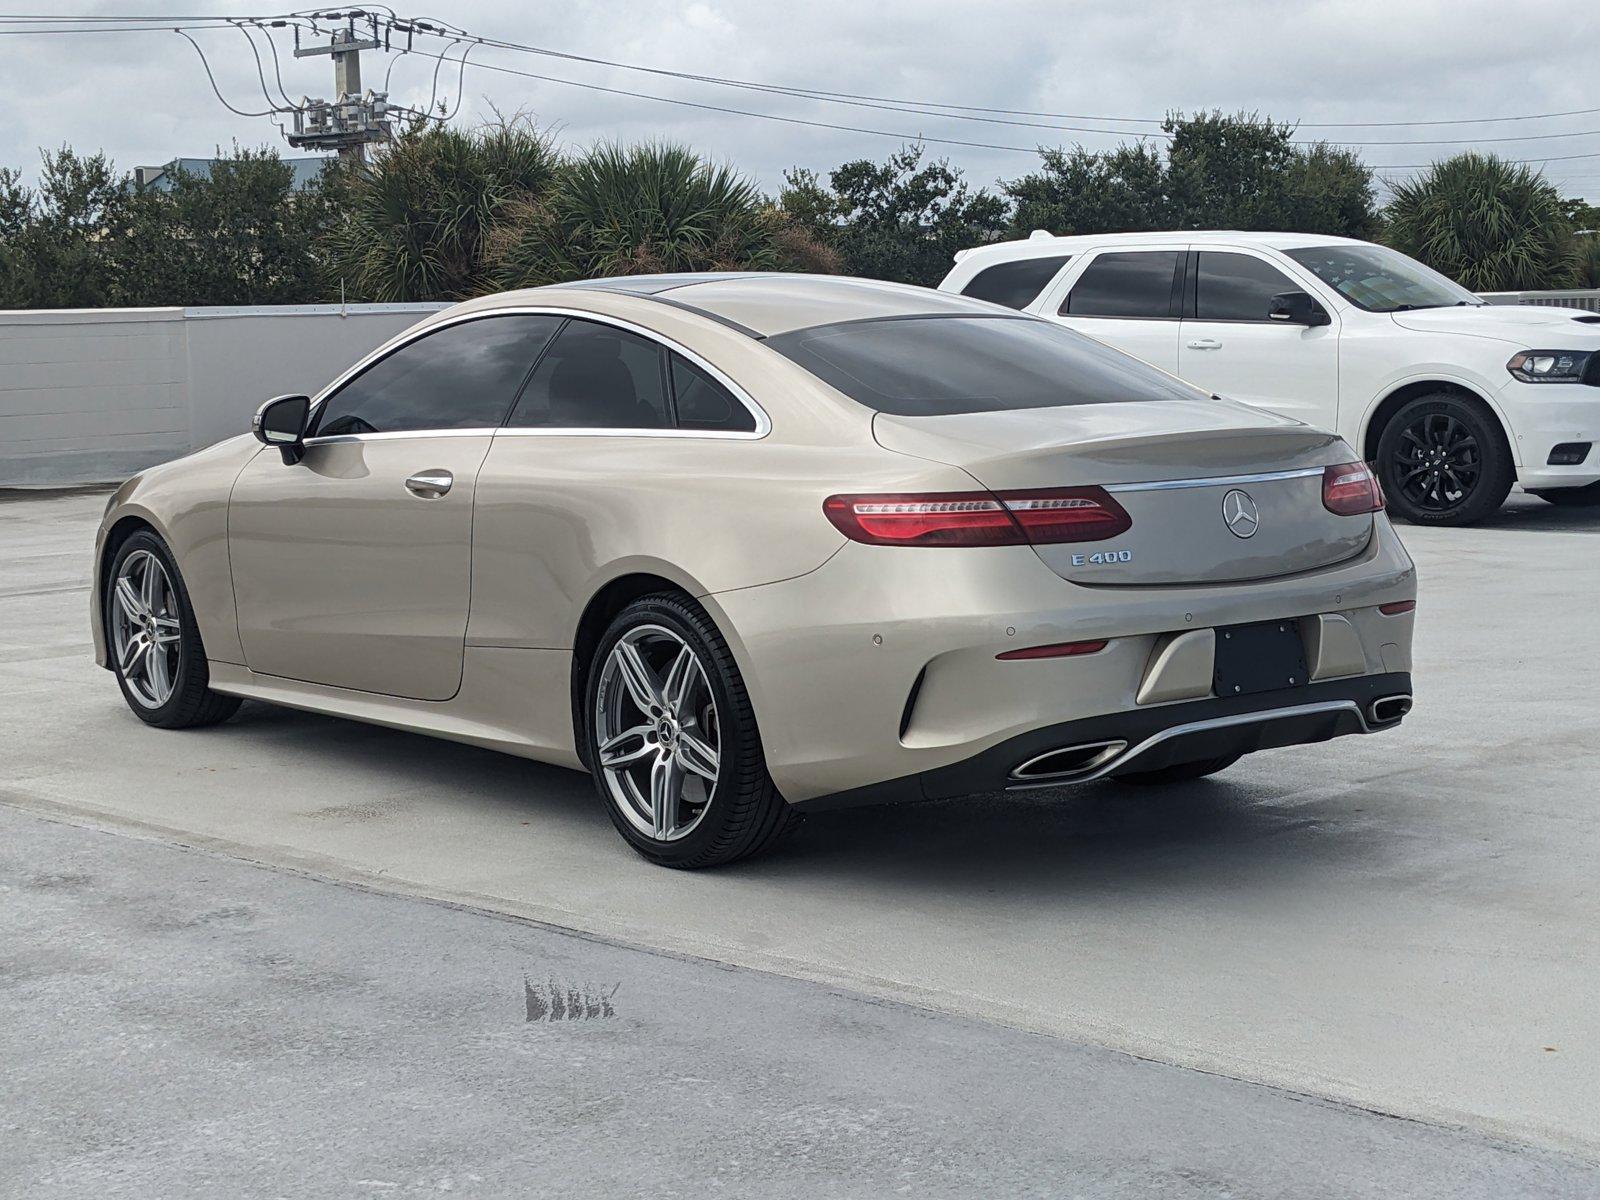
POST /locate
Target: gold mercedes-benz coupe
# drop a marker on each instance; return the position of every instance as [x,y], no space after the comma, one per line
[745,545]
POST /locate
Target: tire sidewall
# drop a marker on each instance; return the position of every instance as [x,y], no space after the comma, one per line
[191,655]
[735,728]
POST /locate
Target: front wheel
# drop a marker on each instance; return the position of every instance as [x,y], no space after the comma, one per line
[1443,461]
[672,741]
[153,640]
[1574,497]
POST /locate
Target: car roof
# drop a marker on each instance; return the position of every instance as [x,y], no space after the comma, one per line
[766,303]
[1041,242]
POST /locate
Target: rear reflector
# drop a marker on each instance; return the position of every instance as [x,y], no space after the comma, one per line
[1397,607]
[1038,517]
[1055,650]
[1351,489]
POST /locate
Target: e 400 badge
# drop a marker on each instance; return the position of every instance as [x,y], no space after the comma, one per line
[1102,558]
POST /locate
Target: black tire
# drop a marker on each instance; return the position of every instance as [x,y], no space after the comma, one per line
[1179,772]
[745,814]
[1575,497]
[1443,460]
[192,702]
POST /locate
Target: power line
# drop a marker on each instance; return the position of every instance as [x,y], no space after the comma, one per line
[914,107]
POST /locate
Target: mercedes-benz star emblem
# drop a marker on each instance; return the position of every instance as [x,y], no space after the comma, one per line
[1239,514]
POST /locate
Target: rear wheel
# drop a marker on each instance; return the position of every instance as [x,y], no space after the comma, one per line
[1179,772]
[1575,497]
[672,740]
[153,640]
[1443,461]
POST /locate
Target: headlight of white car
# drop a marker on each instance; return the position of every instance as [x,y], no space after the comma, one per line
[1550,366]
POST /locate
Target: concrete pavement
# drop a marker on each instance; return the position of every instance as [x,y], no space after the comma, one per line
[180,1024]
[1405,922]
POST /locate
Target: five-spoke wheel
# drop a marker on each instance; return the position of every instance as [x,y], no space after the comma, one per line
[152,640]
[671,737]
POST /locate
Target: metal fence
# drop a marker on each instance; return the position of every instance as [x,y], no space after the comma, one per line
[1585,298]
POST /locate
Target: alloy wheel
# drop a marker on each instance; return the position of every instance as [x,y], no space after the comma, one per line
[657,738]
[146,635]
[1436,462]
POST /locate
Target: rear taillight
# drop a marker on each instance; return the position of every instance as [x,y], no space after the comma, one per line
[1039,517]
[1351,489]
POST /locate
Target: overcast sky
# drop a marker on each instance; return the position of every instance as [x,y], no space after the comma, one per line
[143,97]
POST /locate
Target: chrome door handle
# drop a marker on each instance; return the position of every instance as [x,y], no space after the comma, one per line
[1205,344]
[430,485]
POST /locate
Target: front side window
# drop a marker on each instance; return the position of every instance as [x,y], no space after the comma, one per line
[935,366]
[596,376]
[1237,287]
[1015,284]
[1381,280]
[1125,284]
[463,376]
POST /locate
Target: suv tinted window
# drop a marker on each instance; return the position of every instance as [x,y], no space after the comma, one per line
[703,403]
[596,376]
[1125,284]
[1237,287]
[932,366]
[460,377]
[1015,284]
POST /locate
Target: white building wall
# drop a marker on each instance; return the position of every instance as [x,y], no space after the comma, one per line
[91,396]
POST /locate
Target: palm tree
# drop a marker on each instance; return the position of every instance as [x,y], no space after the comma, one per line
[417,223]
[632,210]
[1490,224]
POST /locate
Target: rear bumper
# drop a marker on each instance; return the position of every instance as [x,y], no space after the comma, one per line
[882,664]
[1147,740]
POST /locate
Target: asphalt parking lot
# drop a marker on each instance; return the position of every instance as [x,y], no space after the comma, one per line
[1403,923]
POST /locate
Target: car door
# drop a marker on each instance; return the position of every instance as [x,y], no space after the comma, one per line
[353,566]
[1229,345]
[1128,299]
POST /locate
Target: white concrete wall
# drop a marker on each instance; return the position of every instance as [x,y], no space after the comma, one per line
[93,395]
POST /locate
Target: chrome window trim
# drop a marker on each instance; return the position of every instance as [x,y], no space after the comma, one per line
[1163,485]
[408,337]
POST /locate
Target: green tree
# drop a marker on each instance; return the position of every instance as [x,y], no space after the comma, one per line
[1487,223]
[900,219]
[238,235]
[53,248]
[634,210]
[1217,172]
[418,223]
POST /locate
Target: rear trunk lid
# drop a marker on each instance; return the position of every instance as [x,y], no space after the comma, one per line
[1218,492]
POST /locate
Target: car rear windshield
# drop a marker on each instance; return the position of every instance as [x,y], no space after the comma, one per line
[935,366]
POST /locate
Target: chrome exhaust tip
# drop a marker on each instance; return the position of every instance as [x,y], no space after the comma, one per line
[1388,709]
[1067,763]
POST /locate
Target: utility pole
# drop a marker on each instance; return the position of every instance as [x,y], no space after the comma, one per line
[353,118]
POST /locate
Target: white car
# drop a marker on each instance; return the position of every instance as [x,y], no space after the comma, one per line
[1450,398]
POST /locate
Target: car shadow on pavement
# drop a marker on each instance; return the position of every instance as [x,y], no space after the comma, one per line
[1521,511]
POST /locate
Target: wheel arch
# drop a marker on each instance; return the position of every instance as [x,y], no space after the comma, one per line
[1378,416]
[116,535]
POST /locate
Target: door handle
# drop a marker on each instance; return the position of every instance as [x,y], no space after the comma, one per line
[430,485]
[1205,344]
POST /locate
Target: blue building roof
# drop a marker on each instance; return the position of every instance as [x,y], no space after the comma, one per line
[305,171]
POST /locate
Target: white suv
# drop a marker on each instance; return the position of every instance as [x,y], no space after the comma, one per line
[1450,398]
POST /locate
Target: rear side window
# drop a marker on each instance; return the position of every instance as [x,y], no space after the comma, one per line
[1015,284]
[1125,284]
[463,376]
[703,403]
[1237,287]
[935,366]
[596,376]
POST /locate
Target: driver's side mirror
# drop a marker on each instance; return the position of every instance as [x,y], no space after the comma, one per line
[1298,308]
[281,422]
